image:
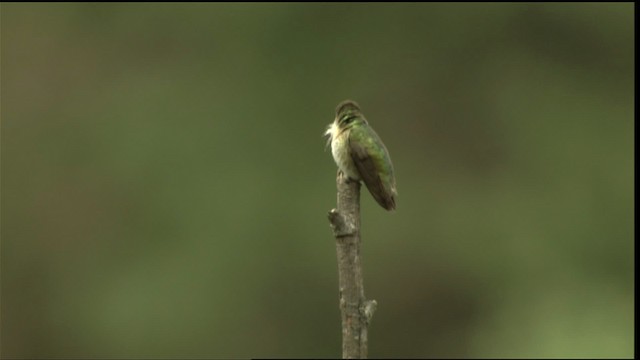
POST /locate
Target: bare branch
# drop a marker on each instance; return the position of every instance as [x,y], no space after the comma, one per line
[355,309]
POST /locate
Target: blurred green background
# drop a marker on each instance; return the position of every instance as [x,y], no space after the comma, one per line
[165,184]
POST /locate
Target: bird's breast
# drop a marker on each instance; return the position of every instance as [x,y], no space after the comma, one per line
[341,155]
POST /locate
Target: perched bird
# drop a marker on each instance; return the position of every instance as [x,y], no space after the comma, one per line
[360,154]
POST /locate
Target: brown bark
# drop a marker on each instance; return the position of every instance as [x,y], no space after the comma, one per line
[355,309]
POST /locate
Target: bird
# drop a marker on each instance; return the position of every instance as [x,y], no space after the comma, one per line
[360,154]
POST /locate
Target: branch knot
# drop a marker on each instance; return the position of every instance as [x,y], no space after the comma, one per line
[367,309]
[340,226]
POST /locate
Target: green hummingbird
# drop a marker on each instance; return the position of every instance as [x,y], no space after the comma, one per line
[360,154]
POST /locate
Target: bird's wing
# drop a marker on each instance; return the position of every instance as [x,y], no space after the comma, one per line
[369,167]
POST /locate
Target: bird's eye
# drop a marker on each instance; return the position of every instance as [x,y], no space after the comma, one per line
[349,119]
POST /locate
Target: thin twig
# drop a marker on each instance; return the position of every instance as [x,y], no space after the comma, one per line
[355,309]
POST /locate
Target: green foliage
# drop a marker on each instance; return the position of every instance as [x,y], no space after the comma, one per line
[165,188]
